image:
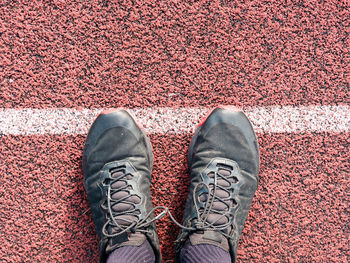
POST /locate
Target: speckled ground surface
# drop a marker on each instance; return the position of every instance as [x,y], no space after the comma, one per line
[63,53]
[100,54]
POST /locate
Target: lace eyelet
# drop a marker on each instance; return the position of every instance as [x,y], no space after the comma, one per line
[105,182]
[235,180]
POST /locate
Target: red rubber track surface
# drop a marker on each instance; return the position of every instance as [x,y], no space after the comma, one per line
[300,212]
[95,54]
[141,54]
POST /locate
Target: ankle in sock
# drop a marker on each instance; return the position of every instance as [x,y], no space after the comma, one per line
[133,254]
[203,253]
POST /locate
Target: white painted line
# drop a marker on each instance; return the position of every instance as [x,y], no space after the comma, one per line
[176,120]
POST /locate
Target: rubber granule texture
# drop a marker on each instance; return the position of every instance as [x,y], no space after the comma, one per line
[299,213]
[102,54]
[172,53]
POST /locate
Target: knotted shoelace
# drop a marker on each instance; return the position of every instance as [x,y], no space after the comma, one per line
[216,213]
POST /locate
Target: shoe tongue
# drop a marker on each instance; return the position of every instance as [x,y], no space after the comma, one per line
[210,237]
[135,239]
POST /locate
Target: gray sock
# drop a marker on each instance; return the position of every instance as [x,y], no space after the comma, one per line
[203,253]
[133,254]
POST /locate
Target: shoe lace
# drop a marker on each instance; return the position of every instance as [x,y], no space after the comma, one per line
[124,220]
[207,187]
[220,191]
[218,183]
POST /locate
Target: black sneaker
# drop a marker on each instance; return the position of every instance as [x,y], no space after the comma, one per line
[117,165]
[224,165]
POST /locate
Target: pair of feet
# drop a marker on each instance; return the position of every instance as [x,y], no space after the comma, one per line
[117,164]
